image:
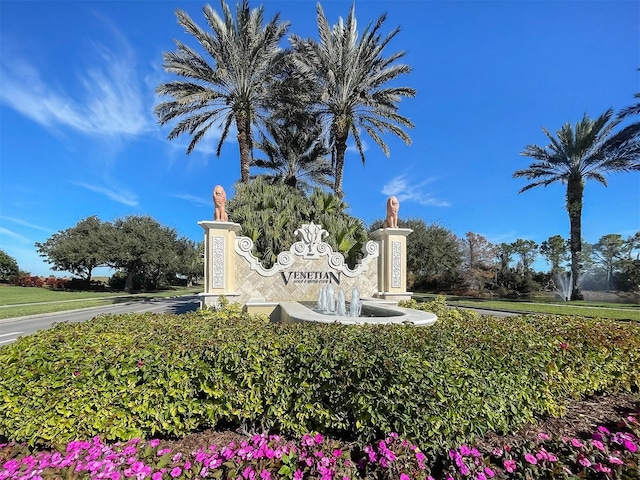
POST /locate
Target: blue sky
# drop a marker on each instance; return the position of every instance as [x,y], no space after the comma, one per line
[78,136]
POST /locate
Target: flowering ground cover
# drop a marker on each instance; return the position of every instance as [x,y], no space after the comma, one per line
[611,452]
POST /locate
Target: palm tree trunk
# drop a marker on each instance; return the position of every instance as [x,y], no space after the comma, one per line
[244,143]
[575,191]
[341,148]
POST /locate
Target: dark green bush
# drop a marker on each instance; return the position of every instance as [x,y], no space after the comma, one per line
[164,375]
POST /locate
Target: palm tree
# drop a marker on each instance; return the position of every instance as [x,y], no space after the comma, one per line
[632,110]
[234,89]
[351,77]
[295,152]
[576,155]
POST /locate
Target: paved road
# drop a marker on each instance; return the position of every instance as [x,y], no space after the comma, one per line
[12,328]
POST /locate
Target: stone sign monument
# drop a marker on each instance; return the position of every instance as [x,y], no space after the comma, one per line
[232,270]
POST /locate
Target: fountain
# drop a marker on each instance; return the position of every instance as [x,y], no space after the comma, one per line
[565,282]
[328,305]
[355,307]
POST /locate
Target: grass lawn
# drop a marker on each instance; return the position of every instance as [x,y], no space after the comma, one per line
[21,301]
[619,311]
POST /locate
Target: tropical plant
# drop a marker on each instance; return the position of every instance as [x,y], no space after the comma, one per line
[576,155]
[270,214]
[351,77]
[233,91]
[295,151]
[632,110]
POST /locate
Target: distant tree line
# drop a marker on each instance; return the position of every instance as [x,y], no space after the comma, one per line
[438,260]
[148,255]
[145,254]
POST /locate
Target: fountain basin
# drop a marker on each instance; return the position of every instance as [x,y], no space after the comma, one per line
[373,312]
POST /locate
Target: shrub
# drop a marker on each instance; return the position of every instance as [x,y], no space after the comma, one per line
[144,375]
[29,281]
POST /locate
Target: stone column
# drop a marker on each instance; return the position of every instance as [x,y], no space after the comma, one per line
[392,263]
[219,262]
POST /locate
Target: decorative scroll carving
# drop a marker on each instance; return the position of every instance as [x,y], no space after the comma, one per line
[310,246]
[396,264]
[218,262]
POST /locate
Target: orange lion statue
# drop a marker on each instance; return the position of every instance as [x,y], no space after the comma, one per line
[219,201]
[393,205]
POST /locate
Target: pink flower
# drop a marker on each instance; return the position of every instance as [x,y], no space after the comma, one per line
[154,442]
[249,473]
[175,473]
[156,476]
[598,444]
[318,439]
[564,345]
[615,460]
[404,476]
[297,475]
[510,466]
[584,461]
[576,443]
[530,458]
[542,454]
[337,453]
[490,473]
[629,445]
[604,430]
[265,475]
[543,436]
[601,468]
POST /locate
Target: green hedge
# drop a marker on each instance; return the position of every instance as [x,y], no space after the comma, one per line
[154,375]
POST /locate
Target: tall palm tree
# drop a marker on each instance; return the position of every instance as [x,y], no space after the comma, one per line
[576,155]
[233,89]
[352,76]
[296,154]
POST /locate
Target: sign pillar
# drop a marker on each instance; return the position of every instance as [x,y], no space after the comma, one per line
[219,262]
[392,263]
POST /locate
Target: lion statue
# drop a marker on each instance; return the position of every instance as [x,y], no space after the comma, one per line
[219,201]
[393,205]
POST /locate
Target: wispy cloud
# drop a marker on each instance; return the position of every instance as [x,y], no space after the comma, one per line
[405,191]
[503,237]
[19,221]
[14,235]
[119,196]
[198,201]
[108,99]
